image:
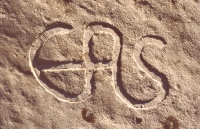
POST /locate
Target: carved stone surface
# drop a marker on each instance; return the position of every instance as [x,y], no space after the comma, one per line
[121,64]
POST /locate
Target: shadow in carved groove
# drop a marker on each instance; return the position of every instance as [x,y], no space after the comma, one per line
[118,73]
[51,86]
[45,64]
[155,37]
[123,91]
[40,65]
[56,25]
[164,79]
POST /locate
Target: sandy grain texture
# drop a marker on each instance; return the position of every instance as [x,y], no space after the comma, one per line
[99,64]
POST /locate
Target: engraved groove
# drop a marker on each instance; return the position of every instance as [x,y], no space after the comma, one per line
[102,49]
[164,79]
[151,72]
[56,66]
[64,67]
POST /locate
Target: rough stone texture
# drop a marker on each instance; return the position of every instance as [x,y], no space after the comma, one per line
[102,46]
[160,44]
[61,48]
[72,82]
[141,87]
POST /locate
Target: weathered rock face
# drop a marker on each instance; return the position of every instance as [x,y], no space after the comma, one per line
[100,64]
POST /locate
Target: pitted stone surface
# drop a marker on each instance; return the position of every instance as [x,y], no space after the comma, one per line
[70,81]
[60,48]
[102,46]
[95,64]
